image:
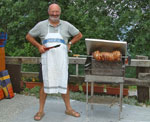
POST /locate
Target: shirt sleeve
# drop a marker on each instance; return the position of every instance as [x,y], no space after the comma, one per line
[73,30]
[35,31]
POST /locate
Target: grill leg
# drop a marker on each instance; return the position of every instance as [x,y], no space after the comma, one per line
[87,99]
[92,93]
[121,99]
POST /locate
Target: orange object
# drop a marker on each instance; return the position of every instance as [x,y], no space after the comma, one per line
[76,55]
[126,61]
[2,59]
[31,85]
[10,90]
[116,91]
[6,84]
[1,93]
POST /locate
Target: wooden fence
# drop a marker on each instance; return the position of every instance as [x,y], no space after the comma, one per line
[142,64]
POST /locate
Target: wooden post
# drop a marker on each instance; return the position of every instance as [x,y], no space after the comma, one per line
[14,71]
[142,91]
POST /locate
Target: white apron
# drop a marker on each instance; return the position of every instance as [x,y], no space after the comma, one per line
[55,64]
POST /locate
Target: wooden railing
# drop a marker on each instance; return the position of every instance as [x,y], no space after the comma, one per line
[36,60]
[76,60]
[142,69]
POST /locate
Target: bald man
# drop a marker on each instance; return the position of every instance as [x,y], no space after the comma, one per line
[54,32]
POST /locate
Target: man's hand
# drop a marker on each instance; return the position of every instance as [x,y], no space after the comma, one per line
[75,39]
[69,46]
[41,49]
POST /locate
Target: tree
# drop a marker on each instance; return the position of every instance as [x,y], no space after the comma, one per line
[126,20]
[18,16]
[133,21]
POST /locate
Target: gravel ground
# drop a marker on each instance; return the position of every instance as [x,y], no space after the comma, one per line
[9,108]
[22,108]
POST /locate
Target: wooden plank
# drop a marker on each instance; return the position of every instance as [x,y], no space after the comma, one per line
[33,60]
[72,60]
[139,63]
[36,60]
[103,100]
[136,82]
[103,79]
[13,60]
[22,60]
[142,91]
[141,57]
[76,60]
[30,74]
[144,76]
[15,76]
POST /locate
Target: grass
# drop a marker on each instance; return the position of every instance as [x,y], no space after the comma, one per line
[131,101]
[31,92]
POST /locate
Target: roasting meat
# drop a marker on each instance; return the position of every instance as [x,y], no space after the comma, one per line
[107,56]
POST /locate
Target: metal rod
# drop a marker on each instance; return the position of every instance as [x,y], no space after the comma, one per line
[87,99]
[92,93]
[78,55]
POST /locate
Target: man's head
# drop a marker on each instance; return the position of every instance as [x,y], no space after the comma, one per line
[54,12]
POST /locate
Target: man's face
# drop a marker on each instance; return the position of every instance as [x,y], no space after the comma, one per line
[54,13]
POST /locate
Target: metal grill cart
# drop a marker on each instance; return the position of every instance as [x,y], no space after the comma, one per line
[104,71]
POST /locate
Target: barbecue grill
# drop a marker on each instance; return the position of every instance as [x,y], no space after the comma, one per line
[104,71]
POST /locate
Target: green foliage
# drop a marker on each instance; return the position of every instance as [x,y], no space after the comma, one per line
[26,50]
[133,20]
[126,20]
[72,69]
[131,101]
[32,92]
[78,96]
[133,88]
[17,18]
[130,72]
[147,103]
[30,67]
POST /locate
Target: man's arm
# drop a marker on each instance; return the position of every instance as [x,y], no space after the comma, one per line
[75,39]
[35,43]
